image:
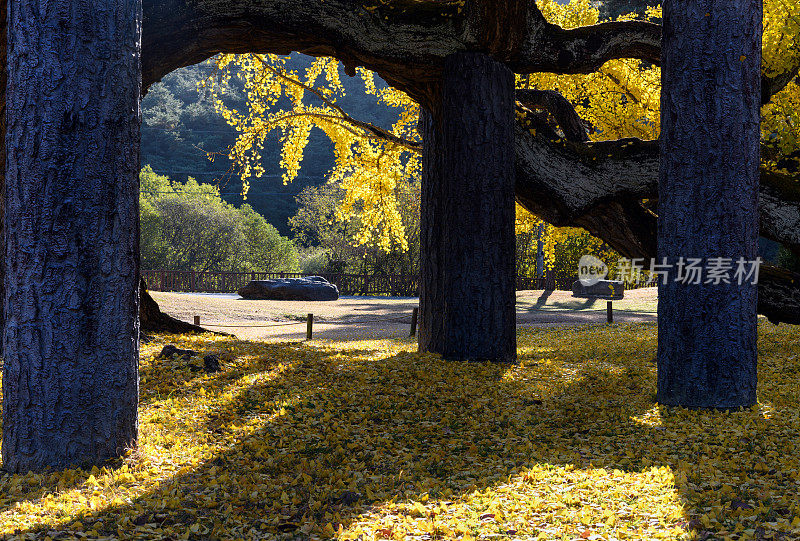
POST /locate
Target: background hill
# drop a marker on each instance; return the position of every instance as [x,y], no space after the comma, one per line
[180,127]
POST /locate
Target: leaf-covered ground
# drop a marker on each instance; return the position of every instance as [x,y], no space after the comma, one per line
[370,440]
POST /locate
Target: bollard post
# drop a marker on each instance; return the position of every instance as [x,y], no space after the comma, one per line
[197,320]
[414,315]
[309,326]
[609,312]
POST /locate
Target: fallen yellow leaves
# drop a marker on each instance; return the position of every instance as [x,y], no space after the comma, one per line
[371,440]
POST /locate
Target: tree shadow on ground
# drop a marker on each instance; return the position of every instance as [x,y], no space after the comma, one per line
[336,437]
[542,300]
[576,304]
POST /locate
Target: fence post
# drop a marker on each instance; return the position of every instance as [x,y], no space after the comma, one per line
[193,282]
[414,315]
[309,326]
[609,312]
[197,320]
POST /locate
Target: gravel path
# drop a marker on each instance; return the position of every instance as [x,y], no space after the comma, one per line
[359,318]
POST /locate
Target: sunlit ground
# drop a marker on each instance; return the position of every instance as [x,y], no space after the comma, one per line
[369,439]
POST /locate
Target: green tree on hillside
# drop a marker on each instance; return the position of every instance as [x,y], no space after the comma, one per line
[187,226]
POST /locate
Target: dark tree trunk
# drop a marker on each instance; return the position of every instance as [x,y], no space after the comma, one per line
[3,82]
[467,290]
[70,379]
[708,199]
[431,288]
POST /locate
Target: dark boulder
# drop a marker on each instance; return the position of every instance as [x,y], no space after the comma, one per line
[312,288]
[211,363]
[604,289]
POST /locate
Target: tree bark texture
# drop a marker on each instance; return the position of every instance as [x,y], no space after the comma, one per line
[708,199]
[431,291]
[3,82]
[499,27]
[70,378]
[467,294]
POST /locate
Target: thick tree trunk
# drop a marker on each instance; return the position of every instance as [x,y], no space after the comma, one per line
[70,380]
[467,291]
[708,199]
[431,290]
[3,82]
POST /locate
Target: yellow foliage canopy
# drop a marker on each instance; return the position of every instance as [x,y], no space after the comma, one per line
[621,99]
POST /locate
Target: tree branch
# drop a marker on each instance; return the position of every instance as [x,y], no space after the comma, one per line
[584,49]
[407,52]
[772,85]
[560,107]
[406,47]
[567,183]
[371,129]
[348,123]
[600,187]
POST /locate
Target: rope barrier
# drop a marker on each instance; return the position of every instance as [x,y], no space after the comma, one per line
[254,326]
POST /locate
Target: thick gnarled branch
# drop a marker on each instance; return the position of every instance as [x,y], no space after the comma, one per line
[406,45]
[560,107]
[600,187]
[407,51]
[551,48]
[567,183]
[409,55]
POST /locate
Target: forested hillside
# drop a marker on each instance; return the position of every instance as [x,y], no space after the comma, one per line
[180,127]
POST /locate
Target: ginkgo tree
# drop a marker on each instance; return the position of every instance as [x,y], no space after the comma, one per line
[369,160]
[405,42]
[619,100]
[457,60]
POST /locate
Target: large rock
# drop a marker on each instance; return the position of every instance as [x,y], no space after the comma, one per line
[604,289]
[312,288]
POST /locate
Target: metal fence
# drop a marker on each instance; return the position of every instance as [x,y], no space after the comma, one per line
[348,284]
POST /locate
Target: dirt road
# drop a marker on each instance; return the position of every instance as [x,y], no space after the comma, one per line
[362,318]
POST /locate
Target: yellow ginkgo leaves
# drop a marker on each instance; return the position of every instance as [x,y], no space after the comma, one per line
[372,440]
